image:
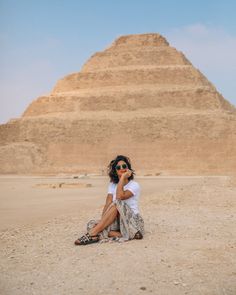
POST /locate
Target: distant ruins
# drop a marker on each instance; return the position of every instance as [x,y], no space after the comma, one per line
[139,97]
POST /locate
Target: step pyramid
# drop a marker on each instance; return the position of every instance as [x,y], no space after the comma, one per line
[139,97]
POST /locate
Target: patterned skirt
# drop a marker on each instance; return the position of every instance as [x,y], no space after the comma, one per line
[127,222]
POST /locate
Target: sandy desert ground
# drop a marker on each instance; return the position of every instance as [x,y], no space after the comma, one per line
[189,246]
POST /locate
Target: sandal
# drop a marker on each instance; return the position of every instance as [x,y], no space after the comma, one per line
[87,239]
[138,235]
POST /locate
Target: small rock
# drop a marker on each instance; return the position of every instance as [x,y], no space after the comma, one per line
[143,288]
[176,282]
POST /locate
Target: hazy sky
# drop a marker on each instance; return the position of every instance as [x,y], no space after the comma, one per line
[44,40]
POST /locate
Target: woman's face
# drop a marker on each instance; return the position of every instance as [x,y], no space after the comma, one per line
[121,167]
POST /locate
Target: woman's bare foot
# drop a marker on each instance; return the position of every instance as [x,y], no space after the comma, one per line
[114,234]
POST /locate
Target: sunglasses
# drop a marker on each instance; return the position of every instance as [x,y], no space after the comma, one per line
[123,166]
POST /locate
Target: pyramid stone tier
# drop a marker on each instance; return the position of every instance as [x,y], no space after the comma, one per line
[135,75]
[128,99]
[171,142]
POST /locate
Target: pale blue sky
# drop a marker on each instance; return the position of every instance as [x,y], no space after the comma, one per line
[42,41]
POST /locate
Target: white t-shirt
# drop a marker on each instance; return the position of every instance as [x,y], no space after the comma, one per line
[133,187]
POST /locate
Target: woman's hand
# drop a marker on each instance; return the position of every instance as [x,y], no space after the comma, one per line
[127,174]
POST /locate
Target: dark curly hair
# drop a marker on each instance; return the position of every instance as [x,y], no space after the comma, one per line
[112,168]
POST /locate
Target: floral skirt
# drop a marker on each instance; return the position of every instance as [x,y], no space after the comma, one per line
[127,222]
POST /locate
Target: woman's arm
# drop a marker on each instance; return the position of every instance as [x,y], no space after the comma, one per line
[120,193]
[108,202]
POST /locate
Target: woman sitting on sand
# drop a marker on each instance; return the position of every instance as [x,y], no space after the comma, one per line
[120,217]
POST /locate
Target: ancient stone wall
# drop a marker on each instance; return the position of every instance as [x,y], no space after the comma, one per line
[139,97]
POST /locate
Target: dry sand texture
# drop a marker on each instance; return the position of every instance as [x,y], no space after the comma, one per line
[189,246]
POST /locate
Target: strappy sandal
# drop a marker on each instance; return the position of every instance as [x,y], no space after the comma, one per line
[138,235]
[87,239]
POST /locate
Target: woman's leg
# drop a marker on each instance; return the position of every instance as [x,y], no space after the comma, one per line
[106,220]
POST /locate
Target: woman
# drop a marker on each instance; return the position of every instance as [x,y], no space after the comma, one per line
[120,216]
